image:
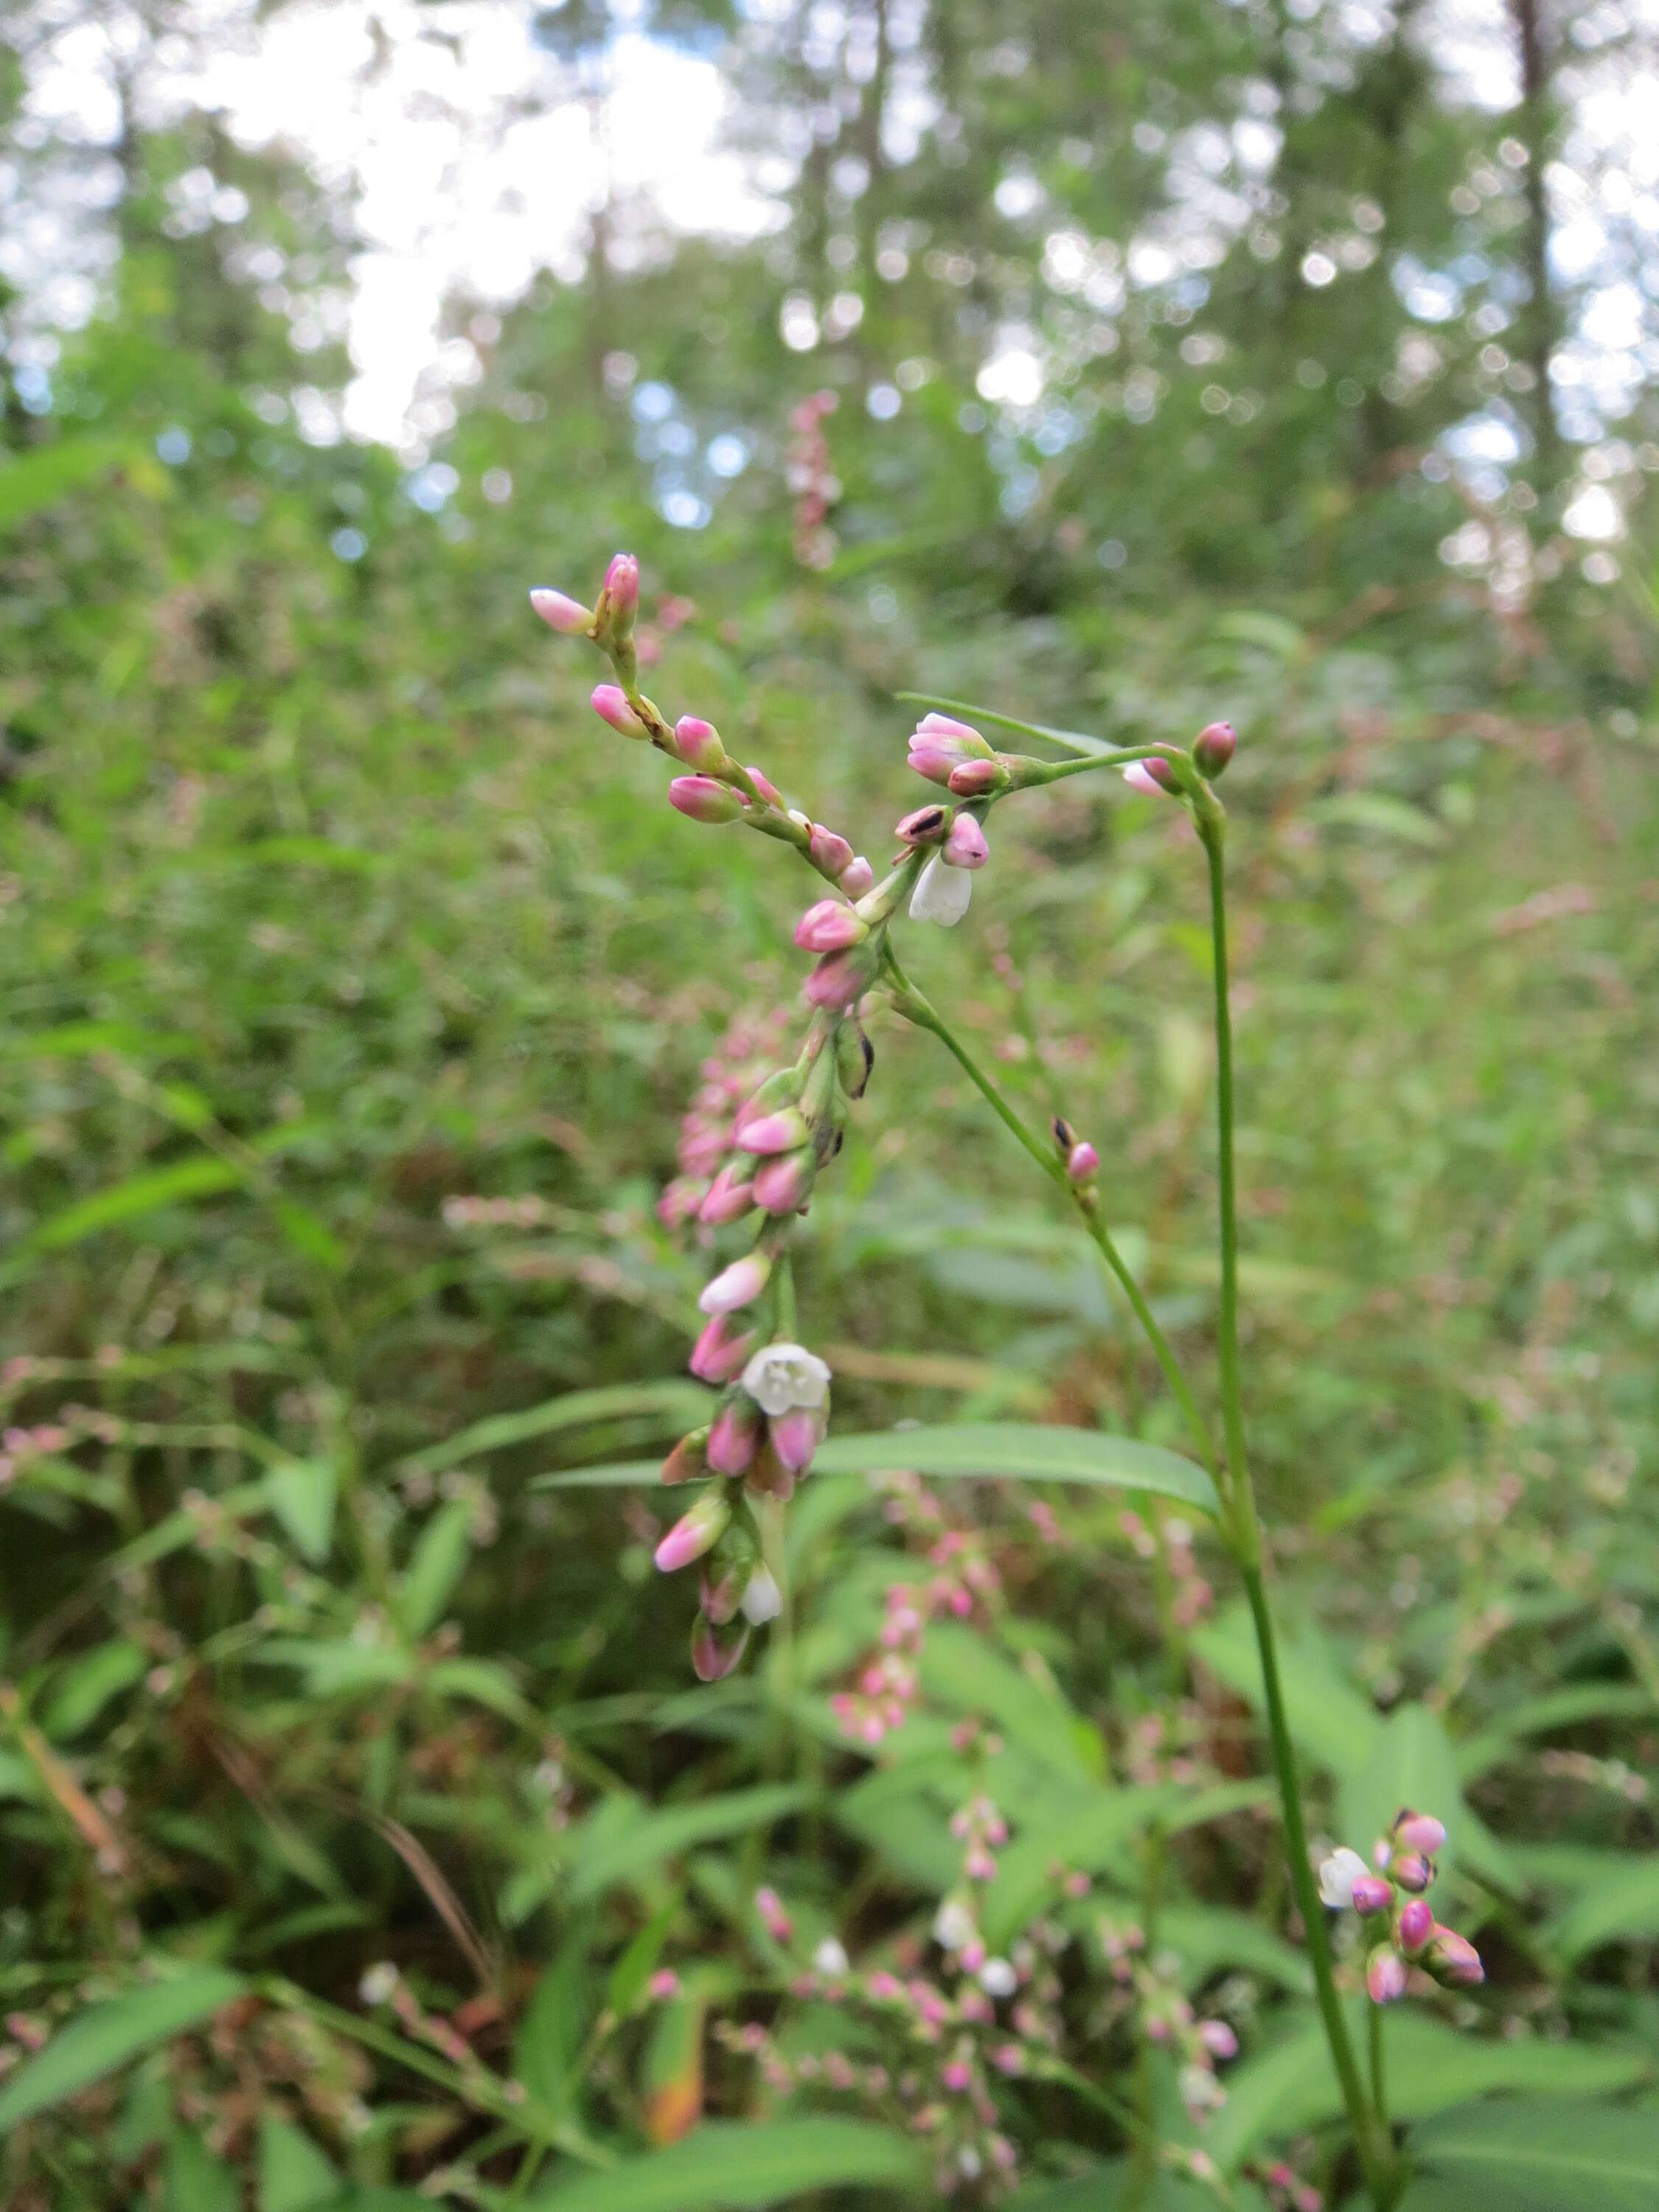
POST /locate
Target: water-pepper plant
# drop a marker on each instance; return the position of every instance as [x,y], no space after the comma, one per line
[754,1146]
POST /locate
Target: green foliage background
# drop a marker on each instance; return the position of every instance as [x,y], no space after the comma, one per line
[324,900]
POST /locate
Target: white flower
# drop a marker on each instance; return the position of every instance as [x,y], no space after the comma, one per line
[1338,1875]
[378,1984]
[998,1978]
[830,1959]
[941,894]
[762,1601]
[784,1376]
[953,1925]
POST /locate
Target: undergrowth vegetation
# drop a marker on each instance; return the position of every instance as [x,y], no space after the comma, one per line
[369,1839]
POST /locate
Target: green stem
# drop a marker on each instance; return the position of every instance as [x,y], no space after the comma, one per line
[1379,2086]
[920,1010]
[1375,2153]
[1374,2157]
[1241,1500]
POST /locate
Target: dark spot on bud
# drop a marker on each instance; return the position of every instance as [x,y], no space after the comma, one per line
[836,1142]
[1064,1135]
[869,1052]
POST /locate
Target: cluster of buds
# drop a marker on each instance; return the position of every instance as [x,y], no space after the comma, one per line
[742,1059]
[1213,747]
[1152,1998]
[1287,2190]
[811,480]
[965,1575]
[954,2026]
[1389,1896]
[952,838]
[1190,1594]
[1170,1746]
[769,1423]
[463,1210]
[21,1443]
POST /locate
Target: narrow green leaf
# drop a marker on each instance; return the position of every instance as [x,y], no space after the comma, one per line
[95,2042]
[1516,2154]
[1378,810]
[1430,2068]
[194,2180]
[679,1404]
[302,1493]
[1074,741]
[1557,1708]
[439,1562]
[1328,1719]
[549,2042]
[201,1177]
[638,1962]
[85,1686]
[294,2175]
[963,1672]
[1019,1451]
[729,2166]
[622,1840]
[1624,1902]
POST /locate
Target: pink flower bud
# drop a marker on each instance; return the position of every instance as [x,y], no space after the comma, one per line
[1420,1831]
[1452,1958]
[827,926]
[704,799]
[1213,747]
[716,1651]
[973,778]
[610,705]
[1372,1892]
[1151,778]
[795,1437]
[828,853]
[1412,1871]
[694,1533]
[965,847]
[698,744]
[767,790]
[729,1196]
[1082,1163]
[560,613]
[733,1438]
[782,1131]
[1385,1975]
[622,586]
[663,1985]
[935,761]
[1416,1924]
[689,1460]
[718,1354]
[840,980]
[1217,2038]
[927,826]
[739,1285]
[783,1183]
[857,877]
[945,729]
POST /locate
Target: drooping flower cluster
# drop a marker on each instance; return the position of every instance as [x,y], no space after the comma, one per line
[1389,1897]
[759,1164]
[811,480]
